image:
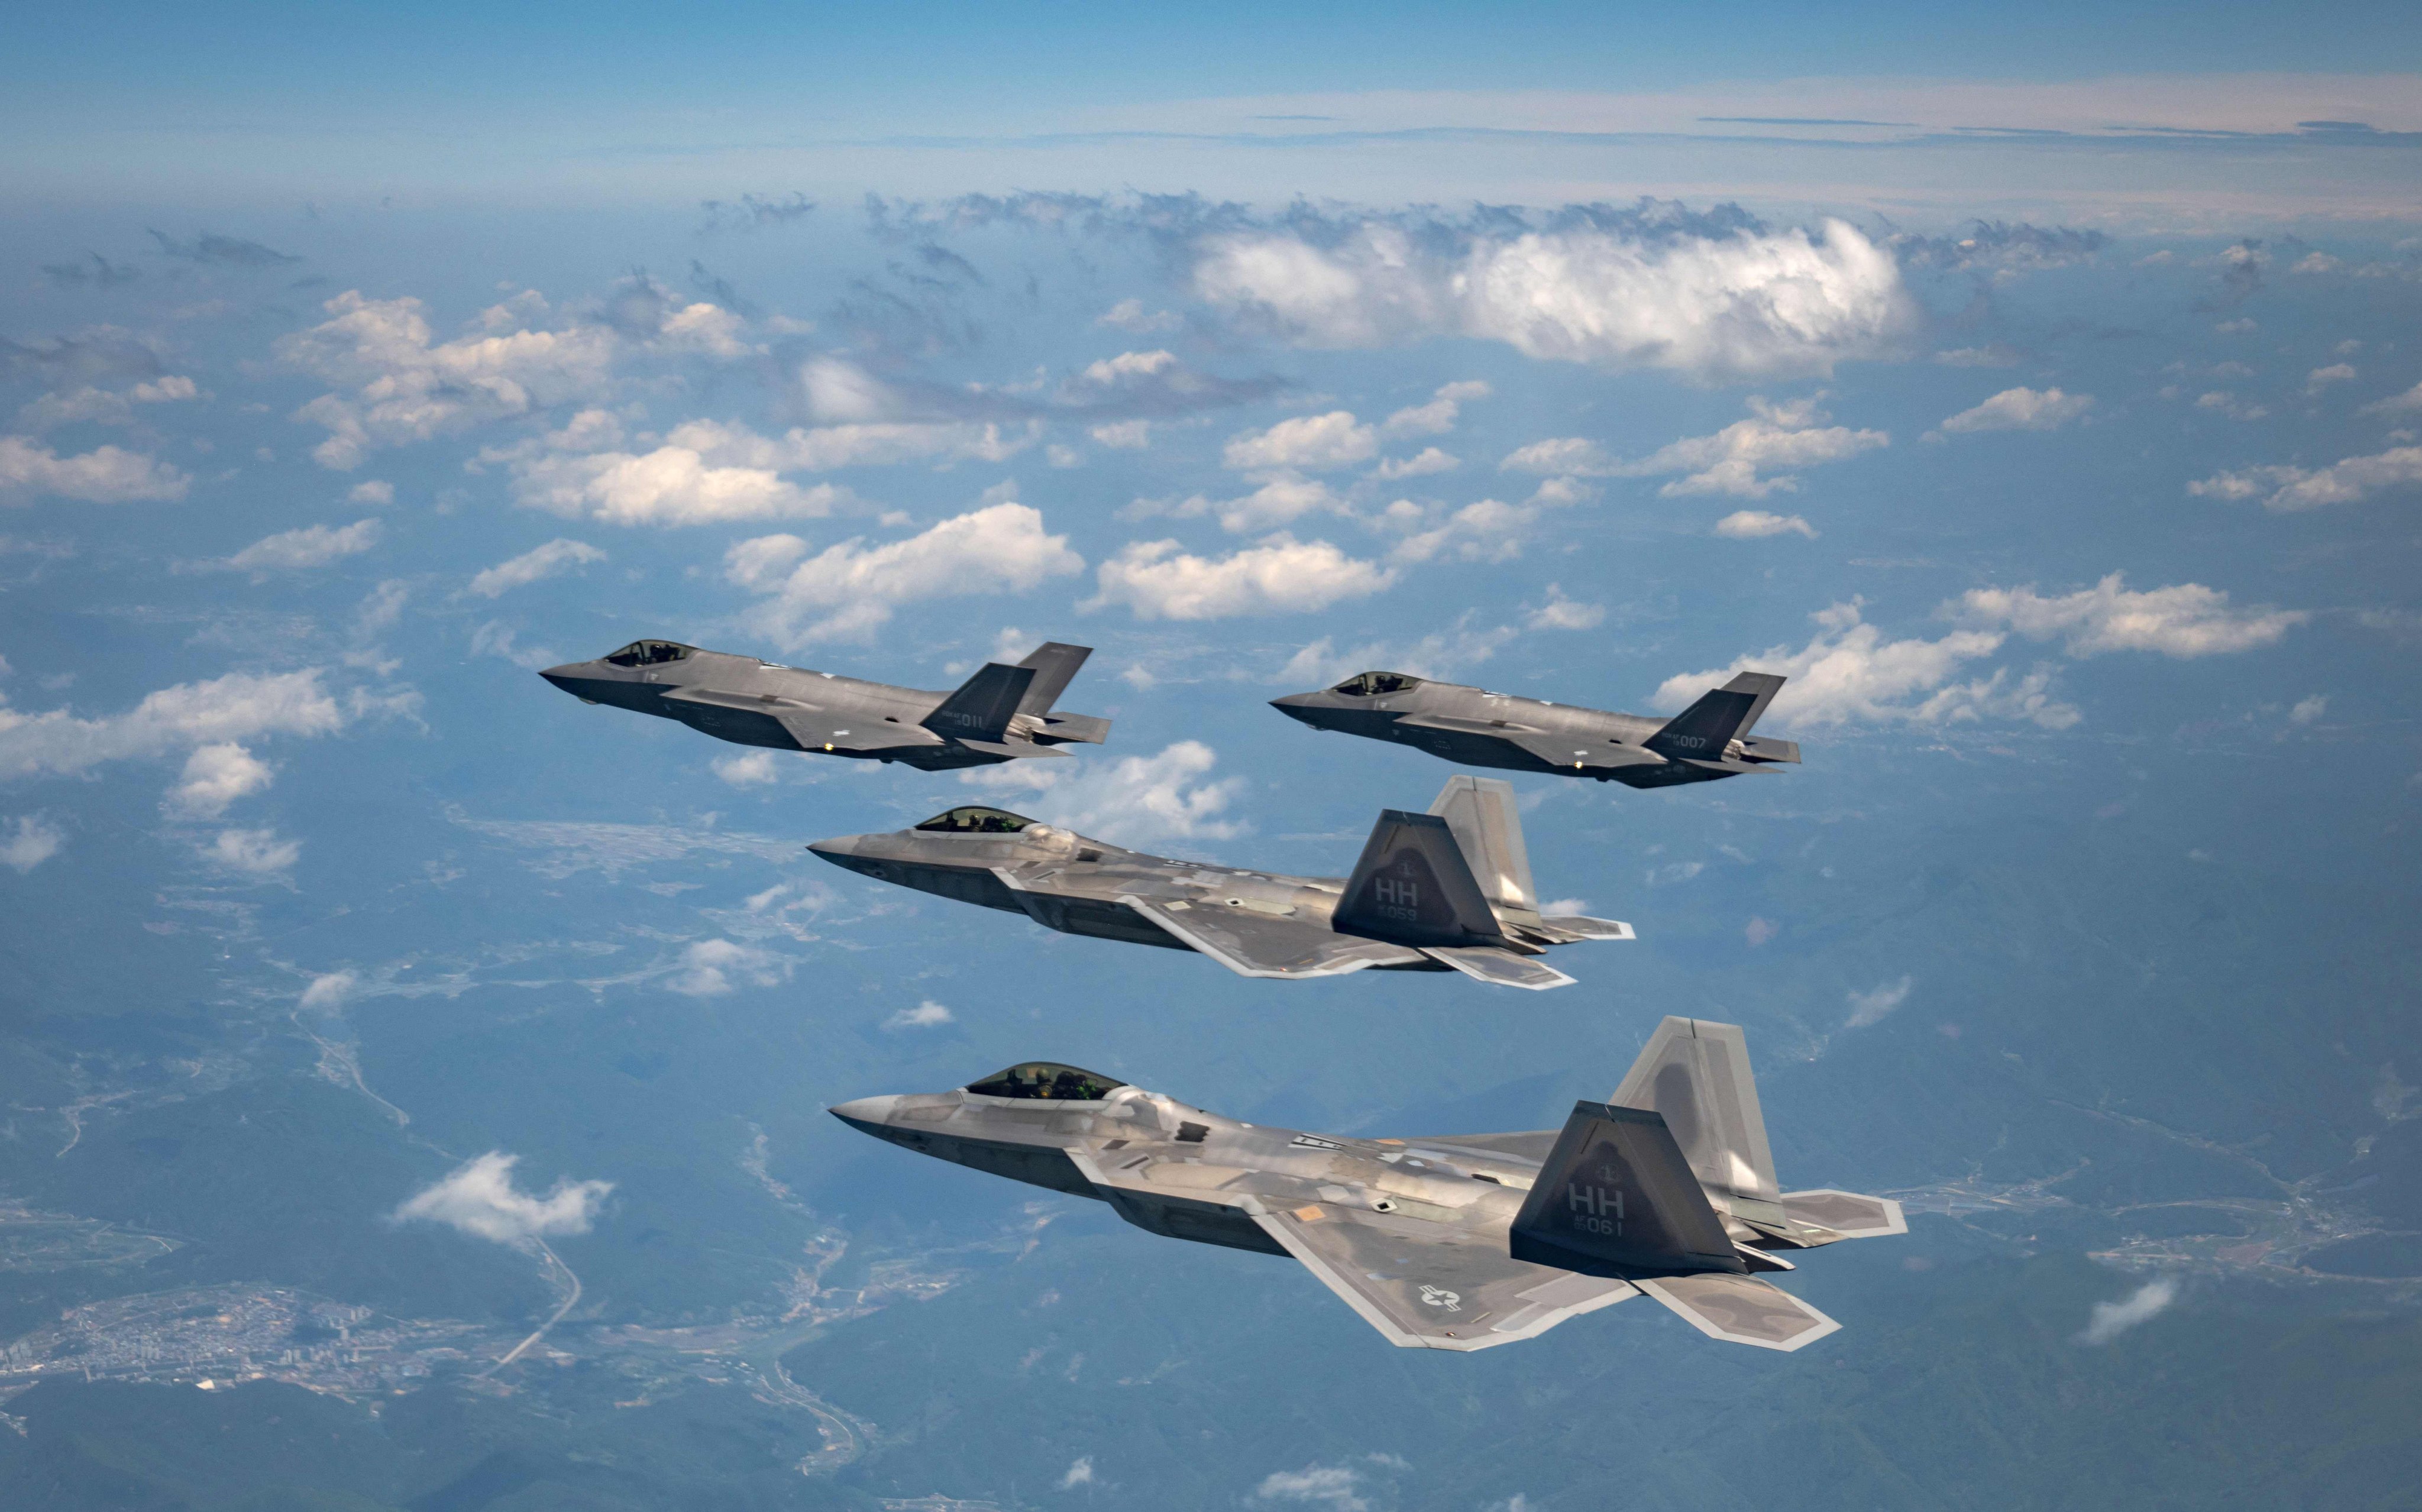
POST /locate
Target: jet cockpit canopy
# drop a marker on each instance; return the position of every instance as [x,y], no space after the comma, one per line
[649,654]
[1047,1081]
[974,820]
[1371,684]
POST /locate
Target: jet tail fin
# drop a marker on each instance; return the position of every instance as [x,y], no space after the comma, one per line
[1481,814]
[1616,1197]
[1414,886]
[1055,666]
[981,707]
[1695,1075]
[1708,727]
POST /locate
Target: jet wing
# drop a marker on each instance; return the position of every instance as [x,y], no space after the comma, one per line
[1430,1285]
[1741,1310]
[814,728]
[1529,1144]
[1567,751]
[1252,943]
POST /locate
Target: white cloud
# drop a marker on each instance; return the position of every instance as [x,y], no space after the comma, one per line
[407,388]
[1132,801]
[1315,442]
[2021,408]
[1870,1006]
[1334,1486]
[1438,416]
[295,551]
[1848,673]
[2309,709]
[926,1015]
[2111,1319]
[329,991]
[30,841]
[2186,620]
[1741,304]
[1280,575]
[1749,524]
[238,706]
[371,491]
[1123,435]
[106,475]
[847,590]
[1127,365]
[2406,403]
[258,853]
[1080,1469]
[1487,531]
[752,769]
[2322,378]
[1560,613]
[381,608]
[673,485]
[215,776]
[1281,499]
[1745,458]
[1438,654]
[2220,401]
[709,968]
[1129,315]
[1429,459]
[536,565]
[2295,488]
[480,1199]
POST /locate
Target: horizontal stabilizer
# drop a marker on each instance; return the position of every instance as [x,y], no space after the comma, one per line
[1761,748]
[1499,968]
[1055,665]
[1581,927]
[981,707]
[1058,727]
[1845,1214]
[1731,766]
[1011,748]
[1741,1310]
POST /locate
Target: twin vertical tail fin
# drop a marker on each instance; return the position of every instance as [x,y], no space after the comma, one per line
[982,705]
[1055,665]
[1695,1075]
[1480,813]
[1703,731]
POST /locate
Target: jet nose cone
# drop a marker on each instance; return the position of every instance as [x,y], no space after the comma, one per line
[565,676]
[1296,705]
[840,849]
[868,1113]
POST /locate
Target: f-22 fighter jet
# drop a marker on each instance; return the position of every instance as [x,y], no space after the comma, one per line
[1449,890]
[1474,727]
[1451,1242]
[1000,714]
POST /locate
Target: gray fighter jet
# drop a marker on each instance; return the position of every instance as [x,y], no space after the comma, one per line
[1473,728]
[1446,889]
[1452,1241]
[1000,714]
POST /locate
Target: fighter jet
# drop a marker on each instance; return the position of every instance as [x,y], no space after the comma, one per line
[1473,728]
[1451,1242]
[1449,890]
[1000,714]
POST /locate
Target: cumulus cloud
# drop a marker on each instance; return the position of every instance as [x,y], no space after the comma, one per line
[2285,489]
[1438,654]
[295,551]
[106,475]
[2309,709]
[255,852]
[1280,575]
[1438,416]
[1122,435]
[2322,378]
[1560,613]
[2187,620]
[1489,530]
[480,1199]
[1871,1005]
[28,842]
[2111,1319]
[554,559]
[408,386]
[2020,409]
[1080,1469]
[2409,402]
[1750,524]
[215,776]
[329,991]
[1281,499]
[1334,1486]
[753,768]
[847,590]
[1428,460]
[926,1015]
[371,491]
[1132,801]
[1748,458]
[238,706]
[1850,673]
[1713,301]
[1129,315]
[709,968]
[1315,442]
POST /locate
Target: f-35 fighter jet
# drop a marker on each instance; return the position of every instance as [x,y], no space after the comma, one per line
[1446,889]
[1000,714]
[1473,728]
[1453,1241]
